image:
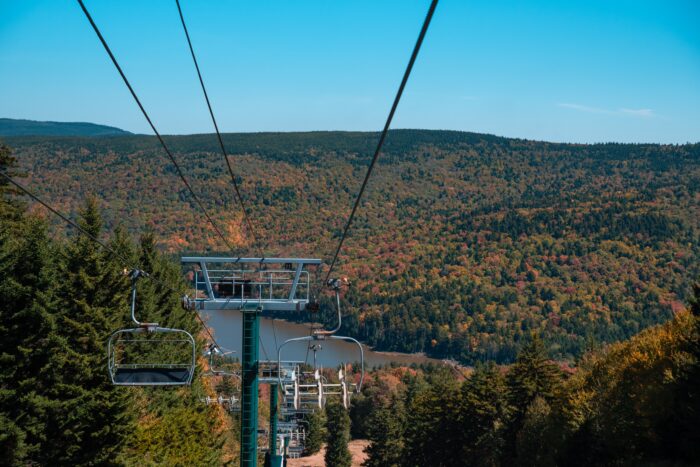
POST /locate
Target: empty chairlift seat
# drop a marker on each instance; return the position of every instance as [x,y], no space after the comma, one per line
[152,356]
[148,354]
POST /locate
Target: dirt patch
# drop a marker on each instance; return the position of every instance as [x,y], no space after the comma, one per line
[356,448]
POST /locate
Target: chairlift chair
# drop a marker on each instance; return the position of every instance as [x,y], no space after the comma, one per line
[303,392]
[342,388]
[216,357]
[129,365]
[306,391]
[232,403]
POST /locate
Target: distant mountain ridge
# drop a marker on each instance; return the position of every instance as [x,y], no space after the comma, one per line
[17,127]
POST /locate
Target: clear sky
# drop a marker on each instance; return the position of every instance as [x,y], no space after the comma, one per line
[557,70]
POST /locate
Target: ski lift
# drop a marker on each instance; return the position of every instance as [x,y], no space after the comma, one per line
[308,390]
[317,390]
[219,356]
[150,355]
[343,388]
[231,403]
[270,284]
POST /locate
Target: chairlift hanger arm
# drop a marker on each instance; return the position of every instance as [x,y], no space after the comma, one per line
[135,274]
[324,332]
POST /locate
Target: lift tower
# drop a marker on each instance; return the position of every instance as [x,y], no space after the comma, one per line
[252,286]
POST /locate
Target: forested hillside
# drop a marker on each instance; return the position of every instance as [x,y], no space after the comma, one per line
[17,127]
[464,245]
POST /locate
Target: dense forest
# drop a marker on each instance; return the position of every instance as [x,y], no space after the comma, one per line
[61,300]
[636,402]
[464,245]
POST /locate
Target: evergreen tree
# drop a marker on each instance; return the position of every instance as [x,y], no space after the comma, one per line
[156,301]
[695,300]
[680,434]
[315,434]
[532,444]
[432,428]
[483,415]
[375,394]
[532,375]
[11,208]
[94,420]
[386,428]
[338,427]
[173,427]
[29,341]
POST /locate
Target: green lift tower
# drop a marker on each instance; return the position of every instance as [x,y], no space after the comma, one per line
[252,286]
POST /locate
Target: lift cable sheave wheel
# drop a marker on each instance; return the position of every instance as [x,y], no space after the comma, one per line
[150,355]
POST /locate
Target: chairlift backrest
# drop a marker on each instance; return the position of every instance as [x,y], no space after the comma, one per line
[150,355]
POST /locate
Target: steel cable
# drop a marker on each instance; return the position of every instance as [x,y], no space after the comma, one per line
[150,122]
[246,217]
[382,137]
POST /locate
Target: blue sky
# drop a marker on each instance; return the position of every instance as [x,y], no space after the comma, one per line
[576,71]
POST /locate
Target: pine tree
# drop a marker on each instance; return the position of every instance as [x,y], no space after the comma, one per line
[315,434]
[386,427]
[29,341]
[94,419]
[338,427]
[11,209]
[432,428]
[532,375]
[680,434]
[532,444]
[482,415]
[376,393]
[173,427]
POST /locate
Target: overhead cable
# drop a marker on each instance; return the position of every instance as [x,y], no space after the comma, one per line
[246,217]
[153,127]
[382,137]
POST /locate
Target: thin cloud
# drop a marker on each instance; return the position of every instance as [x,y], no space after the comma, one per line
[584,108]
[642,113]
[638,112]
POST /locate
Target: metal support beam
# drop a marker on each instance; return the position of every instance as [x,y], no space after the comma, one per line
[297,275]
[224,259]
[275,459]
[210,291]
[249,399]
